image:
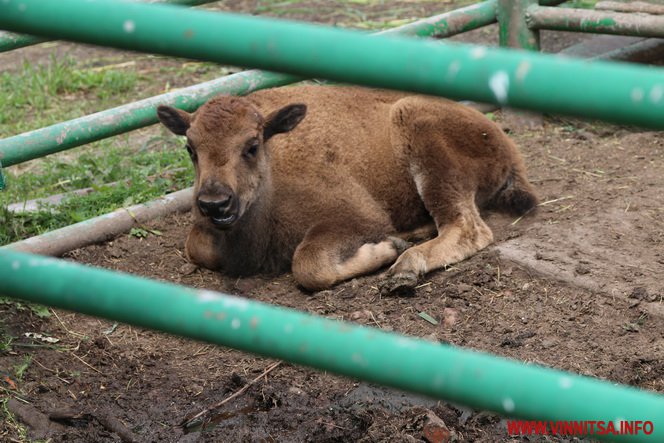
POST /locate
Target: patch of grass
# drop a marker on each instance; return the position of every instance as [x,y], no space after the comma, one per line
[141,176]
[11,426]
[5,338]
[387,24]
[5,342]
[11,429]
[40,95]
[357,14]
[21,368]
[143,232]
[580,4]
[26,96]
[40,311]
[104,163]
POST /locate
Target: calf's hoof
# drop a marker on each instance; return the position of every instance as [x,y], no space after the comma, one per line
[402,283]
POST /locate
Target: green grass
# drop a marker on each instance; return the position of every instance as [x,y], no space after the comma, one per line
[10,424]
[10,427]
[580,4]
[38,310]
[27,97]
[21,368]
[369,15]
[5,337]
[141,175]
[59,90]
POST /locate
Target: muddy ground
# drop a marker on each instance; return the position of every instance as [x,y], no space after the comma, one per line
[576,286]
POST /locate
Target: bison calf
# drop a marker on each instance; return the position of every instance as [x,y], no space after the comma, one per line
[332,181]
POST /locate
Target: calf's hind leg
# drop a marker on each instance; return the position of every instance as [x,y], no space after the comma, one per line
[450,152]
[331,253]
[459,237]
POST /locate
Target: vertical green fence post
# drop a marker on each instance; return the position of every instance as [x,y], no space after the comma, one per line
[513,29]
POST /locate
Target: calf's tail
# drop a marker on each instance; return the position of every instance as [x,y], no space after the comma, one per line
[516,196]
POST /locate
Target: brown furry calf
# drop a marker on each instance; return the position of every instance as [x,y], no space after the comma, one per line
[332,181]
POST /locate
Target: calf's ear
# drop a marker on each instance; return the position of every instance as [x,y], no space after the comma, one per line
[284,120]
[174,119]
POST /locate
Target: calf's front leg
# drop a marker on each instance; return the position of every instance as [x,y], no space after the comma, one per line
[330,254]
[202,248]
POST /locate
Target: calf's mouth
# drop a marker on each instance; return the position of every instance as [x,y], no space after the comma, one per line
[224,221]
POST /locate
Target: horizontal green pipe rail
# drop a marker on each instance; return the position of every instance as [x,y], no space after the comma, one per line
[599,22]
[441,371]
[450,23]
[103,227]
[457,21]
[444,25]
[10,41]
[612,92]
[104,124]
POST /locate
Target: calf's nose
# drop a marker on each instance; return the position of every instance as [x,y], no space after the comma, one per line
[215,208]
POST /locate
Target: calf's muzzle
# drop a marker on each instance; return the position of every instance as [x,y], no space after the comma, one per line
[221,207]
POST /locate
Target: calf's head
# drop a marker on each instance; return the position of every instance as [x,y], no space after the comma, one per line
[226,140]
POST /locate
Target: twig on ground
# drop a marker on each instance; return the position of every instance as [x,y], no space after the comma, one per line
[88,364]
[202,350]
[548,202]
[44,367]
[69,331]
[523,215]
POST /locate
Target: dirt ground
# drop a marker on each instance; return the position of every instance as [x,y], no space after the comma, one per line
[577,286]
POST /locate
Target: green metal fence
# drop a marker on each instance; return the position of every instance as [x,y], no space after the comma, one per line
[441,371]
[617,93]
[641,25]
[115,121]
[530,81]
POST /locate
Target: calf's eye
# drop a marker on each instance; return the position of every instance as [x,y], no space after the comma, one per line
[251,150]
[191,152]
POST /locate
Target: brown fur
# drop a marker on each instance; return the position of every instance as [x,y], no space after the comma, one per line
[363,165]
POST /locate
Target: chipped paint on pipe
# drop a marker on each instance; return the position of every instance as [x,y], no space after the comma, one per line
[452,22]
[456,21]
[513,30]
[638,7]
[522,80]
[104,124]
[600,22]
[440,26]
[441,371]
[104,227]
[10,41]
